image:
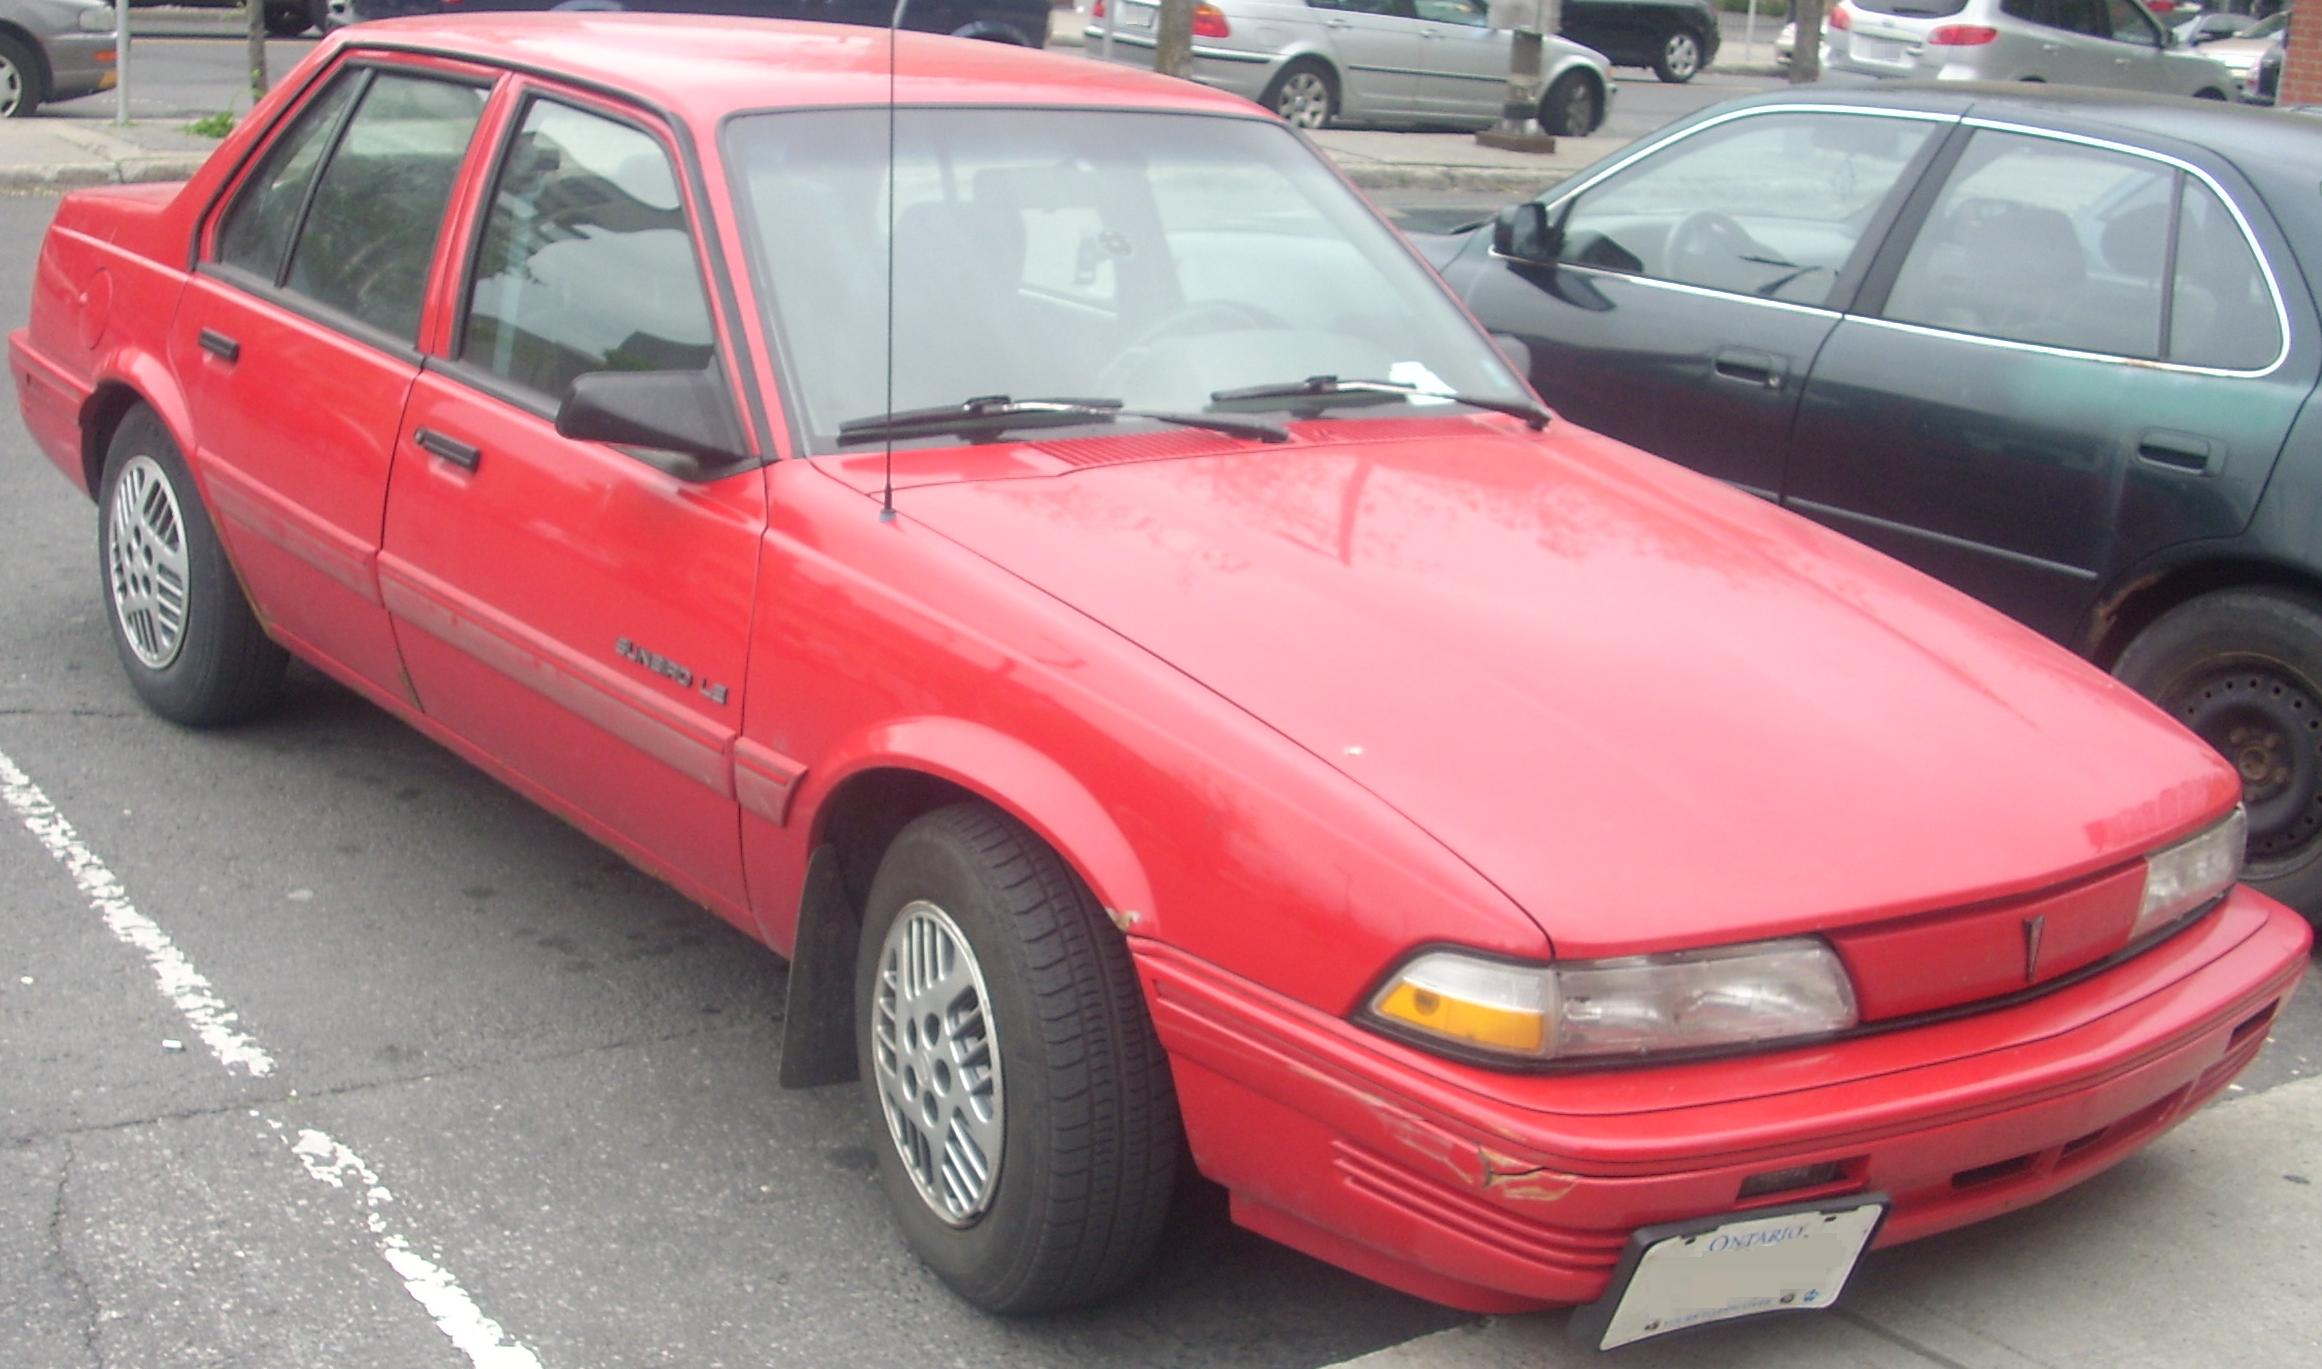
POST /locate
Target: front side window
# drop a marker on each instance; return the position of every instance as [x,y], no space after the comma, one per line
[1467,13]
[256,232]
[379,205]
[1771,205]
[2043,241]
[1149,258]
[586,263]
[2129,24]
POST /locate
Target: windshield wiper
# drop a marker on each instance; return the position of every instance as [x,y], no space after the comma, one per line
[986,415]
[1329,391]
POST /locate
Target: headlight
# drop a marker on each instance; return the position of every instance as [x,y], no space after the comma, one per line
[98,20]
[2180,878]
[1635,1005]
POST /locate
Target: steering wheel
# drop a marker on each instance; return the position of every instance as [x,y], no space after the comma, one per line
[1205,316]
[1703,243]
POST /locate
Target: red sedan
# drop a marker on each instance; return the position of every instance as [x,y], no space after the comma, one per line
[1173,692]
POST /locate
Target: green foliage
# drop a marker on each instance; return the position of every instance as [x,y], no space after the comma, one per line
[216,125]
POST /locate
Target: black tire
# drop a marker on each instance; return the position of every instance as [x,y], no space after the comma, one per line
[219,666]
[2210,93]
[23,80]
[1678,58]
[1303,94]
[2243,669]
[1573,106]
[320,14]
[288,20]
[1089,1140]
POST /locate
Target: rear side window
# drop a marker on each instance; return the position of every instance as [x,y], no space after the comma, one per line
[2222,313]
[586,263]
[379,205]
[257,230]
[1922,9]
[2043,241]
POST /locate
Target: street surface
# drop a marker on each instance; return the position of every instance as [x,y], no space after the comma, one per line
[317,1048]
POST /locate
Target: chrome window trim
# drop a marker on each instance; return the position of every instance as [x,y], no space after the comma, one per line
[1704,291]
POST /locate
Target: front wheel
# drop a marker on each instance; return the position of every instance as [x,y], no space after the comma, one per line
[2243,669]
[1573,106]
[192,648]
[1302,93]
[20,91]
[1679,59]
[288,20]
[2209,93]
[1031,1131]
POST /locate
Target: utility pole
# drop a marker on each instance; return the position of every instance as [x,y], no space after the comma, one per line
[1173,39]
[1532,20]
[257,42]
[1806,47]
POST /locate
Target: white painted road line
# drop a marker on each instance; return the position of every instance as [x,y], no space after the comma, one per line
[455,1314]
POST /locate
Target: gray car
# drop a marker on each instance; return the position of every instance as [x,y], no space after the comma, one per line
[53,50]
[2113,43]
[1369,61]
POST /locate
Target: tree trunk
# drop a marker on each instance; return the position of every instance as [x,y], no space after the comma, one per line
[1806,47]
[1173,41]
[258,81]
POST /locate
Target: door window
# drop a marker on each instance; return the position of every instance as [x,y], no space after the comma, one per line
[370,234]
[2043,241]
[257,229]
[1771,205]
[1467,13]
[2222,311]
[586,263]
[2128,23]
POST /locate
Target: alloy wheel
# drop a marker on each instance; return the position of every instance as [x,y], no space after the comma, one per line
[146,562]
[1304,101]
[11,87]
[936,1056]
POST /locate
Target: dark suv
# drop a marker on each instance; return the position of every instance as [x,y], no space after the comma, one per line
[1022,22]
[1676,38]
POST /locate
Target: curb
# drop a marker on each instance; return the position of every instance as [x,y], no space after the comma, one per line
[1516,182]
[59,177]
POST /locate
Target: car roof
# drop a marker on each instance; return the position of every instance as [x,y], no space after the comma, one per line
[702,67]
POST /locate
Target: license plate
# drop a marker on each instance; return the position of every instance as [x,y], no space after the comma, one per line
[1687,1274]
[1139,18]
[1876,49]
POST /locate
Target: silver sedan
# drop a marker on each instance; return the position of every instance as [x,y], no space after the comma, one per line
[53,50]
[1367,61]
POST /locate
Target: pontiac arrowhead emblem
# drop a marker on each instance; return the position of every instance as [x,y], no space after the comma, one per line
[2033,927]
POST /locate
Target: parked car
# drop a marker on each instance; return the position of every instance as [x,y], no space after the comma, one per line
[1947,322]
[2239,53]
[1676,38]
[2208,27]
[1489,852]
[53,50]
[1382,61]
[1023,23]
[2113,43]
[2265,81]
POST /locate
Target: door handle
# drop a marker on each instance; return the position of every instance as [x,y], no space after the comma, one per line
[1762,369]
[217,344]
[2177,451]
[448,448]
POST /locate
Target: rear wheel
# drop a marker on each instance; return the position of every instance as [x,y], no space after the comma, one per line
[285,20]
[2243,669]
[2210,93]
[1303,93]
[1679,57]
[20,78]
[192,648]
[1573,106]
[1031,1132]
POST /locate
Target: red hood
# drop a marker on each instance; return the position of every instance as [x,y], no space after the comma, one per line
[1654,711]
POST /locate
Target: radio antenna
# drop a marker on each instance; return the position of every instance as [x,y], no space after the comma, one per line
[887,482]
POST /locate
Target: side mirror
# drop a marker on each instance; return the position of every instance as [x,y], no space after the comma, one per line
[688,413]
[1522,232]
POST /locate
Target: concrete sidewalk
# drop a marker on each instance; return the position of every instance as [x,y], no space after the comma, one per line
[2204,1250]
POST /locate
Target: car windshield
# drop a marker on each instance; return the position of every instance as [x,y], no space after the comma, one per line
[1147,259]
[1912,9]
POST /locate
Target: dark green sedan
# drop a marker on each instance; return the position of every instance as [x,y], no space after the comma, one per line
[2053,346]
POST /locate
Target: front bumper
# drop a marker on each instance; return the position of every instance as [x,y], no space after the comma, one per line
[1503,1192]
[79,64]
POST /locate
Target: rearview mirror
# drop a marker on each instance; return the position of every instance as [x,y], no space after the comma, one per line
[689,413]
[1522,232]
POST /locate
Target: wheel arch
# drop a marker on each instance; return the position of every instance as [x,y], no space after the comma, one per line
[895,774]
[44,80]
[2141,597]
[131,383]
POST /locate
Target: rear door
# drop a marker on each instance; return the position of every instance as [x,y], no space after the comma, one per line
[311,283]
[576,610]
[2078,357]
[1697,283]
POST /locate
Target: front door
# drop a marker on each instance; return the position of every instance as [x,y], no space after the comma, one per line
[1695,286]
[571,608]
[1376,43]
[1463,61]
[299,489]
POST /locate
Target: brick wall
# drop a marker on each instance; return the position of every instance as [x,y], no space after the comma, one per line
[2302,66]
